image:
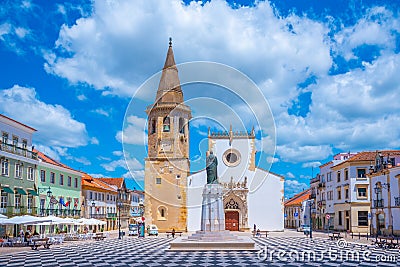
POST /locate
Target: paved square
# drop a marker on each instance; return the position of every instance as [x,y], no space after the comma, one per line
[279,251]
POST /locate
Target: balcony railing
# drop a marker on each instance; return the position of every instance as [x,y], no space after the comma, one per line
[321,203]
[98,215]
[397,201]
[111,215]
[16,211]
[321,185]
[59,212]
[313,196]
[378,203]
[18,150]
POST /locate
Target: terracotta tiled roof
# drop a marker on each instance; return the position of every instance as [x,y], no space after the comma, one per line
[47,159]
[325,164]
[1,115]
[118,182]
[95,183]
[371,155]
[299,198]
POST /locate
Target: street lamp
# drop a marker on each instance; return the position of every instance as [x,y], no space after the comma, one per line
[41,190]
[141,207]
[379,203]
[93,205]
[119,204]
[311,205]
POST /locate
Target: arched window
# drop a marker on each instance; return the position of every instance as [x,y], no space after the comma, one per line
[162,213]
[166,124]
[182,125]
[153,126]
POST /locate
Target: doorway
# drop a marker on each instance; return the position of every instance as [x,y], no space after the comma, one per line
[232,220]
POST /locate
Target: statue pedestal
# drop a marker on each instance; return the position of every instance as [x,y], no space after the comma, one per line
[212,210]
[213,235]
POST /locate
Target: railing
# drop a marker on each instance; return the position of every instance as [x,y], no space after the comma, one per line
[15,211]
[18,150]
[313,196]
[59,212]
[321,185]
[111,215]
[98,215]
[321,203]
[378,203]
[397,201]
[361,175]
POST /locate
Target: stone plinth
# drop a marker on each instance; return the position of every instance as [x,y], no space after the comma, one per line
[213,235]
[212,210]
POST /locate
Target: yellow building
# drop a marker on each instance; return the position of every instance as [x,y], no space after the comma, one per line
[167,164]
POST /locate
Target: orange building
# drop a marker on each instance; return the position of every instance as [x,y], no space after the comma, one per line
[293,209]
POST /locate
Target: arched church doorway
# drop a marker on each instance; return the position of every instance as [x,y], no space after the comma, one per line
[232,220]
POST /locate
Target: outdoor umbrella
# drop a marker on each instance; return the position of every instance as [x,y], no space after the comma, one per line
[4,221]
[50,220]
[91,221]
[26,219]
[3,216]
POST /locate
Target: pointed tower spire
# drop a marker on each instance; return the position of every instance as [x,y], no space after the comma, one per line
[169,88]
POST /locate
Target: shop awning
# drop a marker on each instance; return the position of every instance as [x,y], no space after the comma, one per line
[33,192]
[21,191]
[8,190]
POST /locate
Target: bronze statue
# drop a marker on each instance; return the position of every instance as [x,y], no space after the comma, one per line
[211,167]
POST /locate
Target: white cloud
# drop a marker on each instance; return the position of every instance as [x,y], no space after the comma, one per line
[102,112]
[131,163]
[55,125]
[94,141]
[118,153]
[21,32]
[81,97]
[137,175]
[97,175]
[272,160]
[293,187]
[297,154]
[5,29]
[312,164]
[134,131]
[290,175]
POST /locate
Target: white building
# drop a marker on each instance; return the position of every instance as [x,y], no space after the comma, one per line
[385,194]
[252,196]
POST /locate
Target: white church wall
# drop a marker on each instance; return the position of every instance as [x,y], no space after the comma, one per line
[224,172]
[266,208]
[194,199]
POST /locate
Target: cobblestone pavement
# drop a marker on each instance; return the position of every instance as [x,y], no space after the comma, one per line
[275,250]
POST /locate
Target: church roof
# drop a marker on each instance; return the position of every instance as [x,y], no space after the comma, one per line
[169,88]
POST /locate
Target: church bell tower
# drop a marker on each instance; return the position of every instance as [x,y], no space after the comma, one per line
[167,164]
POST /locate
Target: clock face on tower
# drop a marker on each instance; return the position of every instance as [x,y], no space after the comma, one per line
[231,157]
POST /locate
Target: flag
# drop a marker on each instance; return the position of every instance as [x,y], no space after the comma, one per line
[61,201]
[67,204]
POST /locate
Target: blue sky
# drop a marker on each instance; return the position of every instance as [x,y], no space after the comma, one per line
[329,70]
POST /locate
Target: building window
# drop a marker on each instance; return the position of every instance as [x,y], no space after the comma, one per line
[340,218]
[69,182]
[90,195]
[52,178]
[153,126]
[31,174]
[361,173]
[346,193]
[18,170]
[329,176]
[4,138]
[4,167]
[338,176]
[339,193]
[24,143]
[166,124]
[182,125]
[3,202]
[17,200]
[362,192]
[76,183]
[42,176]
[108,197]
[30,203]
[61,179]
[362,218]
[15,142]
[158,180]
[95,195]
[346,174]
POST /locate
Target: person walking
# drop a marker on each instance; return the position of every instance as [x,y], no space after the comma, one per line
[173,233]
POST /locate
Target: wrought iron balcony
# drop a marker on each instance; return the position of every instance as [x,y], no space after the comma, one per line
[111,215]
[321,203]
[397,201]
[18,150]
[16,211]
[59,212]
[98,215]
[313,196]
[321,185]
[378,203]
